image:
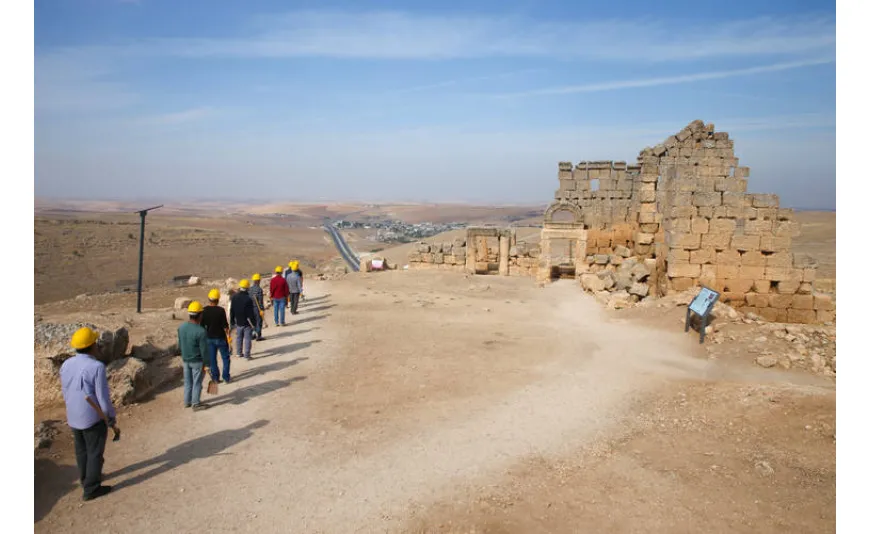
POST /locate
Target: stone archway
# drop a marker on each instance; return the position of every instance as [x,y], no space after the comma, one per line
[574,231]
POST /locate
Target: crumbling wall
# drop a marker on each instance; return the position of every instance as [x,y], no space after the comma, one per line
[686,205]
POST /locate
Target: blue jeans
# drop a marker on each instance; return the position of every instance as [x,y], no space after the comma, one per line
[243,334]
[215,345]
[278,309]
[258,330]
[192,382]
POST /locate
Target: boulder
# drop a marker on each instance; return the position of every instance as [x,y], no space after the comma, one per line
[592,282]
[113,345]
[125,377]
[766,361]
[619,300]
[607,277]
[622,279]
[639,289]
[194,281]
[181,303]
[622,251]
[602,259]
[640,272]
[602,297]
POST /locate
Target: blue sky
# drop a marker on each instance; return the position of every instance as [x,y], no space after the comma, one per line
[437,101]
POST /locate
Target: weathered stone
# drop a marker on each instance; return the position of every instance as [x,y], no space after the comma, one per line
[619,300]
[601,259]
[125,376]
[639,289]
[113,345]
[591,282]
[823,302]
[623,251]
[623,280]
[766,361]
[181,303]
[765,201]
[640,272]
[684,270]
[194,281]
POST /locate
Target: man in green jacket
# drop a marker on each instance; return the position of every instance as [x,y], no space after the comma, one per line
[193,342]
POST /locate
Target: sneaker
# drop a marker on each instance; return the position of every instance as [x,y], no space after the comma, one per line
[187,405]
[227,380]
[99,492]
[199,407]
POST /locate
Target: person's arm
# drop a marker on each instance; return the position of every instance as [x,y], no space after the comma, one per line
[104,396]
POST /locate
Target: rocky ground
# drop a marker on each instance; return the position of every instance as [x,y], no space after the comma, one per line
[427,401]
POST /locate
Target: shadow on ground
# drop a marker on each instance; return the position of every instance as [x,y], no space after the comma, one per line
[243,395]
[50,483]
[204,447]
[277,366]
[284,350]
[285,332]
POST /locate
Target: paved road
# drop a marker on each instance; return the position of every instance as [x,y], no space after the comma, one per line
[343,248]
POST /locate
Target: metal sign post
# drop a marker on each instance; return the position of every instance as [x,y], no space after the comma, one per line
[701,306]
[142,214]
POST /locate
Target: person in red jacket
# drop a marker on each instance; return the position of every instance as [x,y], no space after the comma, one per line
[278,292]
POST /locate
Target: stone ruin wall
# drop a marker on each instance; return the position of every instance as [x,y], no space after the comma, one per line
[453,255]
[445,255]
[688,207]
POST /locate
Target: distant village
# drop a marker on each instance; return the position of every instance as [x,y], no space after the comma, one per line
[398,231]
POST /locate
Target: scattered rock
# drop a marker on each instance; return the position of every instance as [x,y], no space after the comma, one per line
[766,361]
[181,303]
[639,289]
[194,281]
[45,433]
[763,468]
[622,251]
[113,345]
[592,282]
[640,272]
[619,300]
[126,376]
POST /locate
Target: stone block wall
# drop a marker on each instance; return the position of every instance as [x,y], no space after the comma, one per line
[444,255]
[524,260]
[685,204]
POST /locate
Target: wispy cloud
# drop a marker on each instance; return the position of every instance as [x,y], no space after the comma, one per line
[394,35]
[669,80]
[179,117]
[77,80]
[461,81]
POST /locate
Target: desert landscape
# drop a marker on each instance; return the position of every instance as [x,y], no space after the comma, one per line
[429,401]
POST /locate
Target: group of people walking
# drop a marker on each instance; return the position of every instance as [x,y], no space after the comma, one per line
[207,333]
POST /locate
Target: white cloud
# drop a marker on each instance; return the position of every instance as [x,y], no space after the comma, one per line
[671,80]
[393,35]
[179,117]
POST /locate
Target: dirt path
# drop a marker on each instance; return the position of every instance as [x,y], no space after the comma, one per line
[390,392]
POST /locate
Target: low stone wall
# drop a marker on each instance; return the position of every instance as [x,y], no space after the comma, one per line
[444,255]
[524,260]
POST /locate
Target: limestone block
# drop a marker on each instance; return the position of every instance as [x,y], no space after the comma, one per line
[449,259]
[723,226]
[768,314]
[728,257]
[761,286]
[766,200]
[756,300]
[736,212]
[684,270]
[682,284]
[601,259]
[780,259]
[683,240]
[741,172]
[777,274]
[427,257]
[592,282]
[681,225]
[806,288]
[781,302]
[642,238]
[181,303]
[823,302]
[646,196]
[414,257]
[753,258]
[758,227]
[785,214]
[770,243]
[808,275]
[700,225]
[707,199]
[459,258]
[732,199]
[725,272]
[647,207]
[706,212]
[702,256]
[788,287]
[751,273]
[650,228]
[738,285]
[438,258]
[682,211]
[708,272]
[801,316]
[720,212]
[568,185]
[423,247]
[717,240]
[678,255]
[745,242]
[435,247]
[802,302]
[734,298]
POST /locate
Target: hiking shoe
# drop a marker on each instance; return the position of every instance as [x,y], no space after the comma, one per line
[227,380]
[199,407]
[99,492]
[187,405]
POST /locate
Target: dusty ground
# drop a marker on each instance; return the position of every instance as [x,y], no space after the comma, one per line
[434,402]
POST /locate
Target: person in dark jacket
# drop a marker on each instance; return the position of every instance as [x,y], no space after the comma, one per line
[256,293]
[278,292]
[243,315]
[214,320]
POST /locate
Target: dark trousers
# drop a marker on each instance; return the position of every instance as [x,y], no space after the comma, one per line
[215,346]
[294,303]
[258,327]
[90,446]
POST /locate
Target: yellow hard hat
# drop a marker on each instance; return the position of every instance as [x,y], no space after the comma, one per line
[214,294]
[294,265]
[83,338]
[195,307]
[244,284]
[255,277]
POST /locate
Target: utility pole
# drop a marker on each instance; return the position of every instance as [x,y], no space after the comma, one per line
[142,214]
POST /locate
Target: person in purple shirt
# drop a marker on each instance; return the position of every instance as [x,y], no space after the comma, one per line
[83,377]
